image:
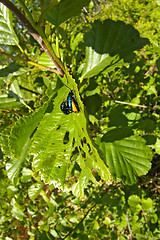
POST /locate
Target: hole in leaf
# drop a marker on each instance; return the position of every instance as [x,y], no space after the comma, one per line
[73,142]
[89,148]
[66,138]
[82,142]
[59,126]
[74,154]
[83,154]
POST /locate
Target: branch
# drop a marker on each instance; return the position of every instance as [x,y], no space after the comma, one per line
[29,90]
[85,215]
[34,34]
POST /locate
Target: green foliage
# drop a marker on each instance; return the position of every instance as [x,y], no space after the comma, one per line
[124,164]
[107,44]
[8,36]
[66,176]
[65,9]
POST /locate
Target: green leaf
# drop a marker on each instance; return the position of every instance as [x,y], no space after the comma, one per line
[14,165]
[7,34]
[157,146]
[109,45]
[26,175]
[133,200]
[85,175]
[65,9]
[93,103]
[14,98]
[4,142]
[12,68]
[45,60]
[7,102]
[20,141]
[76,40]
[17,210]
[158,2]
[58,138]
[147,204]
[34,190]
[127,158]
[23,129]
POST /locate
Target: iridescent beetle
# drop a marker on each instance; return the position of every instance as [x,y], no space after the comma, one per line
[70,105]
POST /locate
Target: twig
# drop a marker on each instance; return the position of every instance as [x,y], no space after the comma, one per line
[29,90]
[129,227]
[132,104]
[147,237]
[80,221]
[144,216]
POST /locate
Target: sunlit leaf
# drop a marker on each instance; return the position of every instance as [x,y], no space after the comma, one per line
[85,176]
[109,45]
[133,200]
[23,130]
[45,60]
[56,139]
[7,34]
[14,165]
[34,190]
[127,158]
[17,210]
[7,102]
[20,141]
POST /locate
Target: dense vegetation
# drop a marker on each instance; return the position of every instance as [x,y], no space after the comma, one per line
[92,174]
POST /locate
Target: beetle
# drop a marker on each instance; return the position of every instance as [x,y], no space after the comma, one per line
[72,102]
[70,105]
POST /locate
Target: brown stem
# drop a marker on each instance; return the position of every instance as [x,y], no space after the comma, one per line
[32,31]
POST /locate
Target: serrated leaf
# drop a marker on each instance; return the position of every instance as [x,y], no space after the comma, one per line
[54,142]
[65,9]
[20,140]
[7,34]
[108,45]
[127,158]
[14,165]
[4,141]
[23,130]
